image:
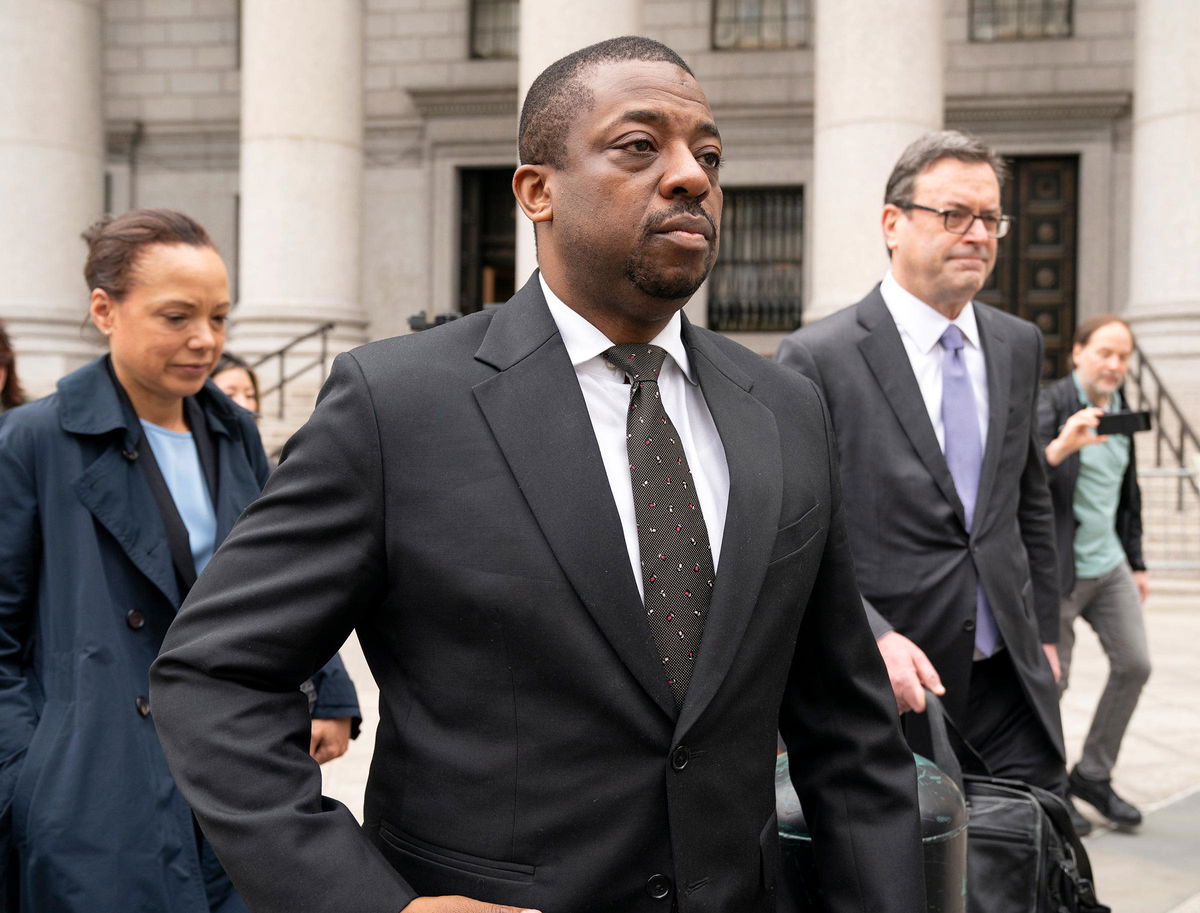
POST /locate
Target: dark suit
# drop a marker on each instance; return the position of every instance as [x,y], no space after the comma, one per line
[448,500]
[917,565]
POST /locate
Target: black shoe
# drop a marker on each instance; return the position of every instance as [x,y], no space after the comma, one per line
[1099,794]
[1082,826]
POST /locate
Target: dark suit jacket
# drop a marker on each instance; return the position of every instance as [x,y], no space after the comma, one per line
[917,564]
[1059,402]
[447,500]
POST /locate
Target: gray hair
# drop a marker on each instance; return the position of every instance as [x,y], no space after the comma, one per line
[932,148]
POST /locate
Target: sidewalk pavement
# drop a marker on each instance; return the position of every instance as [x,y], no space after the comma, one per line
[1156,870]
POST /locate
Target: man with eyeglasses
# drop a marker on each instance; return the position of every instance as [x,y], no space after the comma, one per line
[933,398]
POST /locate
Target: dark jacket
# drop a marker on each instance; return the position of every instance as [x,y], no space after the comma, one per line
[1058,402]
[90,819]
[918,564]
[448,500]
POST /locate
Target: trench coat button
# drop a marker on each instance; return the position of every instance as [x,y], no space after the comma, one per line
[135,619]
[143,705]
[130,455]
[680,757]
[969,624]
[659,887]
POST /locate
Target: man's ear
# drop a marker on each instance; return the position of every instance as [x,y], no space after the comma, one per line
[891,213]
[531,187]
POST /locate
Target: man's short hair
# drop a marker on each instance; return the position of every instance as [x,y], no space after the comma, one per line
[932,148]
[1083,332]
[559,95]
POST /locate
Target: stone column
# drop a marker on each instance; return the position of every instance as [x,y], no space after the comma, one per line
[51,179]
[1164,298]
[301,172]
[878,86]
[550,29]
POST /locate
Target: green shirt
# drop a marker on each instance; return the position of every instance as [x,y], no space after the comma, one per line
[1097,494]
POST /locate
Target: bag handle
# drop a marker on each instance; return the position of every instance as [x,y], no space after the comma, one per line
[943,753]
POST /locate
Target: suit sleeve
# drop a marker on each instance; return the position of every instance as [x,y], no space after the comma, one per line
[795,355]
[336,695]
[1035,515]
[273,606]
[20,557]
[850,765]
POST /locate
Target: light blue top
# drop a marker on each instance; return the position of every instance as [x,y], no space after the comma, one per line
[1097,494]
[179,463]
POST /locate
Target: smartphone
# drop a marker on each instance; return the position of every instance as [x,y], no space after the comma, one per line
[1124,423]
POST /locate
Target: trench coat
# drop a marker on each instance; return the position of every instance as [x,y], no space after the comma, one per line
[90,817]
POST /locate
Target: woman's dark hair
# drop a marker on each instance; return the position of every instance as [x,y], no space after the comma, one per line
[1083,332]
[11,393]
[115,242]
[228,361]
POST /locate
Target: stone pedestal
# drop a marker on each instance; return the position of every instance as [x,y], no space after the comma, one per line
[301,173]
[878,86]
[551,29]
[1164,301]
[51,180]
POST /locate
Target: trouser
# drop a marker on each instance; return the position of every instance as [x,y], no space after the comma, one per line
[1111,605]
[1003,727]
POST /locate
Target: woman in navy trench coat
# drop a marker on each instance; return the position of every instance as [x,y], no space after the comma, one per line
[90,819]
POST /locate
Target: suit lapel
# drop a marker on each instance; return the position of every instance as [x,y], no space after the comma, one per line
[885,356]
[998,360]
[751,442]
[536,411]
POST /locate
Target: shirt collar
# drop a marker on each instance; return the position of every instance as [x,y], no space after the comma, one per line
[585,342]
[919,321]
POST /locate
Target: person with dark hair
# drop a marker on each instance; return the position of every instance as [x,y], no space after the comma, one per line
[115,491]
[933,397]
[237,380]
[596,560]
[11,393]
[1098,522]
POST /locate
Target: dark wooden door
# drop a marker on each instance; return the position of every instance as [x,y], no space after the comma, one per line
[487,238]
[1035,272]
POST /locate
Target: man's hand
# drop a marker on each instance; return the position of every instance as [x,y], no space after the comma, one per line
[1142,579]
[1077,432]
[909,670]
[330,739]
[456,904]
[1051,651]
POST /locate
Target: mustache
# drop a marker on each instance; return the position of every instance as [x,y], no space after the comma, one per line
[680,209]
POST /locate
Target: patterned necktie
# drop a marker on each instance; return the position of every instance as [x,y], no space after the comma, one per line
[964,456]
[676,563]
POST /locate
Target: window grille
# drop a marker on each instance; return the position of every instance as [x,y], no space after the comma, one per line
[742,24]
[757,281]
[494,28]
[1009,20]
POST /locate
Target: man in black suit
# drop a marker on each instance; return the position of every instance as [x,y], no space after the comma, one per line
[933,398]
[577,714]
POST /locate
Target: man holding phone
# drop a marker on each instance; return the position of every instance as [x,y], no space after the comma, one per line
[1098,523]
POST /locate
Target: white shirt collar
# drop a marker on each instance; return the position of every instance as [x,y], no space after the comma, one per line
[585,342]
[924,325]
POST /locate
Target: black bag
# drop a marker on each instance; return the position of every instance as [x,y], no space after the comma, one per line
[1023,855]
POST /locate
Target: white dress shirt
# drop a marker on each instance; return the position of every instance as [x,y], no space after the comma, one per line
[920,329]
[606,392]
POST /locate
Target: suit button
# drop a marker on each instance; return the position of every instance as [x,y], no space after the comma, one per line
[680,757]
[143,705]
[659,887]
[135,619]
[969,625]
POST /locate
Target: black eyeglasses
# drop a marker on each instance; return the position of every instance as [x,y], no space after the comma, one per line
[959,221]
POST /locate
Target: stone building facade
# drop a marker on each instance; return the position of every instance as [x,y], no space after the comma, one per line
[350,157]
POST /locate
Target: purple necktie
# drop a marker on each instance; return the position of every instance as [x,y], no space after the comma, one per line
[964,456]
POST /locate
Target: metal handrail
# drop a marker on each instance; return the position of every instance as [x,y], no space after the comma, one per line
[285,378]
[1162,404]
